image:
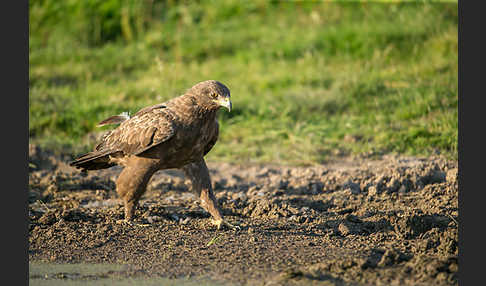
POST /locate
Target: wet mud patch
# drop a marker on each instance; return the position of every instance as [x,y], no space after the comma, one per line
[389,221]
[99,274]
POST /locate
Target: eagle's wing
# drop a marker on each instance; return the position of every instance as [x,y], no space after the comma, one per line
[146,129]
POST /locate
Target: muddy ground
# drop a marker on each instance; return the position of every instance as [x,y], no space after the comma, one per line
[356,221]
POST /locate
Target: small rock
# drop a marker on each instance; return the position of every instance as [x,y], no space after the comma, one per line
[347,227]
[184,221]
[373,191]
[344,229]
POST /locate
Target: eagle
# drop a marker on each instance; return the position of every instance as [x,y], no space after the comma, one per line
[176,134]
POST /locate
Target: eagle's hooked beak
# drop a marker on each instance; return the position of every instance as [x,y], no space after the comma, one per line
[226,102]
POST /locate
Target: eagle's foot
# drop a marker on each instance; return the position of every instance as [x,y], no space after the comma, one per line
[220,224]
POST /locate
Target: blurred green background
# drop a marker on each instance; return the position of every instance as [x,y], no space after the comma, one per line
[309,80]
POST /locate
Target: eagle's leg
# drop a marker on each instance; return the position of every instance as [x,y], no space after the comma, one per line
[198,174]
[132,183]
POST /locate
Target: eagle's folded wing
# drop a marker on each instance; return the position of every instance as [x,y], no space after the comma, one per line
[141,132]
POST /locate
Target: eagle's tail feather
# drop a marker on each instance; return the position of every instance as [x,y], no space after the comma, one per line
[93,160]
[116,119]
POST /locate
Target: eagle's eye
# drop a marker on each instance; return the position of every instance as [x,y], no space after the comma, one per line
[213,95]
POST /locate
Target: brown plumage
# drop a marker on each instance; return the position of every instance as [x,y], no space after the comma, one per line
[174,134]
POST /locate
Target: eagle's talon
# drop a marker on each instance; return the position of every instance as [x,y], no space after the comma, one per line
[220,224]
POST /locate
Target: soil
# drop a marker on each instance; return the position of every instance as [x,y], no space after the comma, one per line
[391,220]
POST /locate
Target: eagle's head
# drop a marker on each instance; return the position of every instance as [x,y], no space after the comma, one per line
[212,94]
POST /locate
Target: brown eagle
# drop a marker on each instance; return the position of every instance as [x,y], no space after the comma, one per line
[174,134]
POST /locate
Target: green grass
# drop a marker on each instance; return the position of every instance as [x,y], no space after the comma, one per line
[309,80]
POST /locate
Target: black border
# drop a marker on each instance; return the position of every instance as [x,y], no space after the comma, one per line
[14,23]
[470,160]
